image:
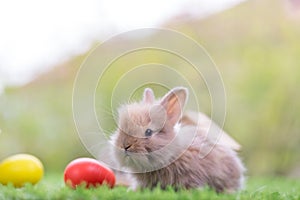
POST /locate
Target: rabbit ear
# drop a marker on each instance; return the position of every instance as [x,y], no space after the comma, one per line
[148,96]
[173,103]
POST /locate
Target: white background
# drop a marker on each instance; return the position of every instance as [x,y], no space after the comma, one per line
[35,35]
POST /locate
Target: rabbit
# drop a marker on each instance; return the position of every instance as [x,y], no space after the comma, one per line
[161,146]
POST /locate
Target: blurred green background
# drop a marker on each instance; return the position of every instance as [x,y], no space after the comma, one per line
[256,46]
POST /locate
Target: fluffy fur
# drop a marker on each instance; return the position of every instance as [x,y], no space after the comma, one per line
[178,153]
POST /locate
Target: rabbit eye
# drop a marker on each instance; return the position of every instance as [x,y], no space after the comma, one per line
[148,132]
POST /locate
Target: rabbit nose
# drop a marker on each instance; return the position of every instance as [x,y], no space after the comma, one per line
[126,147]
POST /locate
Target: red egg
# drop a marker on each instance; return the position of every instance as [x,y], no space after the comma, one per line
[88,171]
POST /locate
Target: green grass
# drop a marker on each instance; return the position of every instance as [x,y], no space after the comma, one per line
[52,187]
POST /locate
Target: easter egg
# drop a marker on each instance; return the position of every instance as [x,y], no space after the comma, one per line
[88,172]
[20,169]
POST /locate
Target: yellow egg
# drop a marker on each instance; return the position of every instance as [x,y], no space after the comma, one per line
[20,169]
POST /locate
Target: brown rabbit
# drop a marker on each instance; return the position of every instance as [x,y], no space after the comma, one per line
[160,146]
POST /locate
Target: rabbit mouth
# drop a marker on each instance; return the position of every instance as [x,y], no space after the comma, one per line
[127,159]
[136,161]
